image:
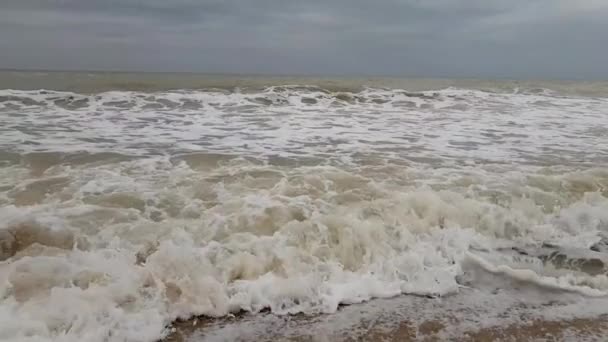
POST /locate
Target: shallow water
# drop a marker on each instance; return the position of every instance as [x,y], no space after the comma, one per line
[121,211]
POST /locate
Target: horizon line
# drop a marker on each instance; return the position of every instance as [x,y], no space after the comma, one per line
[297,75]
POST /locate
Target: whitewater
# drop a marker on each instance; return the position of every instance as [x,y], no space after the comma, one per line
[123,211]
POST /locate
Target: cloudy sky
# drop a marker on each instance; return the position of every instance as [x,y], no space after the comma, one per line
[565,39]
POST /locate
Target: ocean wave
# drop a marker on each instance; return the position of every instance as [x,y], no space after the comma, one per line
[298,95]
[293,121]
[121,249]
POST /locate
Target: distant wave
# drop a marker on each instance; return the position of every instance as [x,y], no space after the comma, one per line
[189,99]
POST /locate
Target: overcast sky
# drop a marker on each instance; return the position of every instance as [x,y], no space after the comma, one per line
[565,39]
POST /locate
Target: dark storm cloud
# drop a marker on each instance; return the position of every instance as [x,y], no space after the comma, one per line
[463,38]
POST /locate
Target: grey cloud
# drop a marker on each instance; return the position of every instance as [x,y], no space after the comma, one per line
[445,38]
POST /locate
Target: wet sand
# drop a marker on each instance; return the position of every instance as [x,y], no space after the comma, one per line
[486,317]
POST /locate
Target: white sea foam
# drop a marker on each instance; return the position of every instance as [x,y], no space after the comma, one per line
[136,211]
[451,124]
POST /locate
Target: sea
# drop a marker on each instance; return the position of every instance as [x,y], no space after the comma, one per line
[132,203]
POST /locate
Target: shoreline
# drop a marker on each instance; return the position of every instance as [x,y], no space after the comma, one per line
[471,315]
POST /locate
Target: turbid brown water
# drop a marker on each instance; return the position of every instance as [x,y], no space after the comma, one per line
[96,82]
[311,208]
